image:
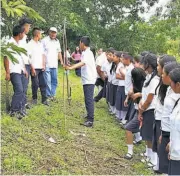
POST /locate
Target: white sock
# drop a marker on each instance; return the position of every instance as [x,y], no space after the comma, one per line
[114,109]
[117,113]
[123,114]
[149,153]
[154,158]
[156,167]
[138,137]
[130,149]
[146,150]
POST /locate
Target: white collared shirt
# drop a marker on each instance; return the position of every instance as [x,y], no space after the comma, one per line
[128,78]
[169,102]
[23,44]
[100,60]
[106,69]
[16,67]
[120,68]
[175,133]
[51,50]
[36,52]
[88,71]
[158,108]
[150,89]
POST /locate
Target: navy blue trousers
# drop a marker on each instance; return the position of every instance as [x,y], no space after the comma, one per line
[18,98]
[38,81]
[89,102]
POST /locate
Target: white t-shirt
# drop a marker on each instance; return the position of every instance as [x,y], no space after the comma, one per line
[23,44]
[121,68]
[16,67]
[51,50]
[88,71]
[100,60]
[175,133]
[106,69]
[128,78]
[169,102]
[36,52]
[150,89]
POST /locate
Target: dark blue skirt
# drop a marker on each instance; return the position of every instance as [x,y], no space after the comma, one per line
[120,98]
[112,94]
[147,125]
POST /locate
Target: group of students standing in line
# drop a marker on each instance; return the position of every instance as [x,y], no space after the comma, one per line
[143,93]
[40,63]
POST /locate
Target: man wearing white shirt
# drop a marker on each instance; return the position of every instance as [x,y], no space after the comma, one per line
[37,60]
[26,24]
[15,72]
[52,51]
[88,76]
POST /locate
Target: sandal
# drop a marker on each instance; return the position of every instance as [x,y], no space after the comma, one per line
[128,156]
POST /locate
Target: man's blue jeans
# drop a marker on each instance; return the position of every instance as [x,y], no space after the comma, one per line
[51,81]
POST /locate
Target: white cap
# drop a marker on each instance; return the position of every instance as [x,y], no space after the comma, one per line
[53,29]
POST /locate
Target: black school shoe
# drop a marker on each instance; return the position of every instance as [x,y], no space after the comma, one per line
[18,115]
[87,124]
[27,106]
[45,103]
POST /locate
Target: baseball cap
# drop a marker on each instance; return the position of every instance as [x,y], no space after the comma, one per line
[53,29]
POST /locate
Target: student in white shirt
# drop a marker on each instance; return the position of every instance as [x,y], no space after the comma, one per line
[88,76]
[127,61]
[120,95]
[26,24]
[169,103]
[105,72]
[159,101]
[147,104]
[100,82]
[114,82]
[37,60]
[52,51]
[15,72]
[174,145]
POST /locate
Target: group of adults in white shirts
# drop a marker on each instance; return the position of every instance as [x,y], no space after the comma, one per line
[40,63]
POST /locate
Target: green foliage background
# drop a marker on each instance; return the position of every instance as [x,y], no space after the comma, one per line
[109,23]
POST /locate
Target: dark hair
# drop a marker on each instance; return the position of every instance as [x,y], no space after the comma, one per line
[118,53]
[114,66]
[144,53]
[150,59]
[138,58]
[24,21]
[110,50]
[78,51]
[85,40]
[175,75]
[163,60]
[169,67]
[17,30]
[35,30]
[138,78]
[127,56]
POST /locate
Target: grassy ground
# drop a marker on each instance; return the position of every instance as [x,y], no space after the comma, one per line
[79,150]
